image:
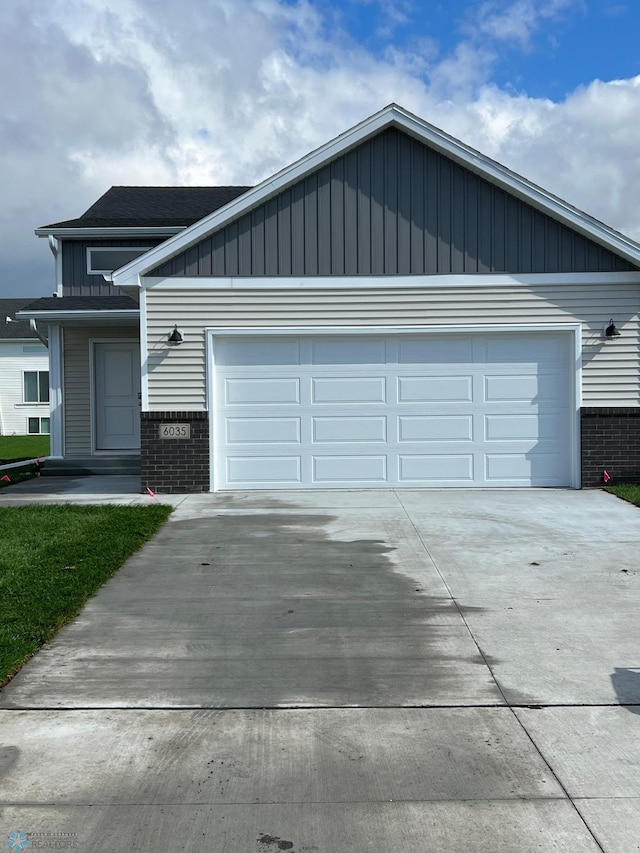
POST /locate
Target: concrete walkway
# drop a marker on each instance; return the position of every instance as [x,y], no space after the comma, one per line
[342,671]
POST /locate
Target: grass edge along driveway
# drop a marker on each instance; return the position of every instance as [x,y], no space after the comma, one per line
[626,491]
[52,559]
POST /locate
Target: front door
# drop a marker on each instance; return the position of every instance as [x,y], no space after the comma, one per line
[117,396]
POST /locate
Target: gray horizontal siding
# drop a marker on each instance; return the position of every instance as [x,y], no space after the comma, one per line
[76,280]
[610,369]
[392,206]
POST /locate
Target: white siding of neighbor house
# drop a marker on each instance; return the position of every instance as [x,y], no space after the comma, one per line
[14,413]
[176,376]
[77,382]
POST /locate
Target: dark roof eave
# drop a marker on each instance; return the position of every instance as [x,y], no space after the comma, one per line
[79,317]
[78,229]
[79,304]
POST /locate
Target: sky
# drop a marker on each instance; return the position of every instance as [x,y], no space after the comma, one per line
[205,92]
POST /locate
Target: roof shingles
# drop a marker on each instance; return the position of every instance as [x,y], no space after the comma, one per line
[149,207]
[15,329]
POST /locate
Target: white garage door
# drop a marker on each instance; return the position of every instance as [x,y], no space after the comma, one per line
[385,411]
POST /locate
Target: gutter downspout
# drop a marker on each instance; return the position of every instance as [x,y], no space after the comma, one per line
[36,331]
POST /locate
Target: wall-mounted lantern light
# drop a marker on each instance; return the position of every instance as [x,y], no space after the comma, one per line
[175,337]
[611,331]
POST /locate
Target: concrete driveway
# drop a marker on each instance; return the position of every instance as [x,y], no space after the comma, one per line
[344,671]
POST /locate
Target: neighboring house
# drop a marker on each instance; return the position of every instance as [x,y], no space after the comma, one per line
[24,374]
[393,310]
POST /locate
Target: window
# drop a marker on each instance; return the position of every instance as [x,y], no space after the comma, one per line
[36,386]
[38,426]
[105,260]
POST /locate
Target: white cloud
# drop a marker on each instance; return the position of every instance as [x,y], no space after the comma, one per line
[516,22]
[215,91]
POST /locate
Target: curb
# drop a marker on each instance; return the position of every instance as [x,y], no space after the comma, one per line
[23,463]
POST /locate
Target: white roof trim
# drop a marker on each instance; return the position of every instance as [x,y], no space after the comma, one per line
[389,282]
[34,340]
[391,116]
[123,231]
[111,314]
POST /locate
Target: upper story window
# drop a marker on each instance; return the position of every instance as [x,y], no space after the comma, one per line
[36,386]
[104,260]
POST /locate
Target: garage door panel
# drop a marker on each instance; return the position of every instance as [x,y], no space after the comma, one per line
[346,429]
[349,390]
[341,352]
[532,349]
[527,388]
[534,467]
[247,470]
[250,392]
[435,467]
[435,428]
[352,469]
[446,351]
[262,430]
[341,419]
[434,389]
[276,351]
[533,427]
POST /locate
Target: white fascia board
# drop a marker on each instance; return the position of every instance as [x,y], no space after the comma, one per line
[95,233]
[396,282]
[342,331]
[83,316]
[132,289]
[34,341]
[391,116]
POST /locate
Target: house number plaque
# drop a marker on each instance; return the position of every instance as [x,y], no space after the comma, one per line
[175,431]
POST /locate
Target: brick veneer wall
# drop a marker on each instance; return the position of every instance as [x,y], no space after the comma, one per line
[175,465]
[610,440]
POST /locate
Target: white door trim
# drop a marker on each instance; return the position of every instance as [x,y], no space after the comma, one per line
[92,393]
[574,329]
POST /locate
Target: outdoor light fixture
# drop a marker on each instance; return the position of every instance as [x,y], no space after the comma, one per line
[175,338]
[611,331]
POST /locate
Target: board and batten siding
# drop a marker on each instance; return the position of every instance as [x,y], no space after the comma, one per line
[176,376]
[15,358]
[77,382]
[76,281]
[392,206]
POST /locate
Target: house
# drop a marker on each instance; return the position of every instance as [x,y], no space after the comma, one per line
[392,310]
[24,374]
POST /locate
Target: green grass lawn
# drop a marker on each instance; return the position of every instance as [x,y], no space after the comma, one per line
[52,559]
[626,491]
[14,448]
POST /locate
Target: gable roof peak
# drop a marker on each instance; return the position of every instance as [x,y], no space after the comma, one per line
[393,115]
